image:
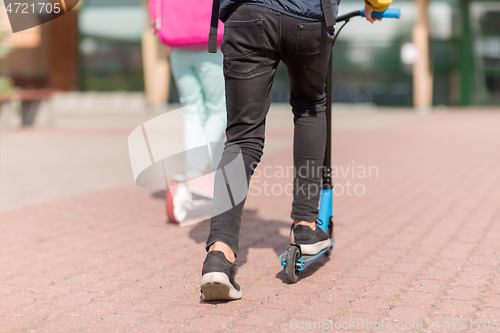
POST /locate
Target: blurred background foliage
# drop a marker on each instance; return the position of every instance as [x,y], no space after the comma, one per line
[367,62]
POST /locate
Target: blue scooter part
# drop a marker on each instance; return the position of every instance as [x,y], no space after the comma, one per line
[305,260]
[325,213]
[388,13]
[325,209]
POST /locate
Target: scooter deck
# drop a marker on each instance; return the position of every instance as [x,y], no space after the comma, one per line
[305,260]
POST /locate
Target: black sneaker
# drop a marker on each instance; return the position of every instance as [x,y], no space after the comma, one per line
[311,241]
[217,281]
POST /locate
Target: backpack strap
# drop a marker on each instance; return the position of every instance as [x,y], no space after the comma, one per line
[214,23]
[328,12]
[157,24]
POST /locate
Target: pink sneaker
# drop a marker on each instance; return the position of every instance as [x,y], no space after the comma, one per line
[203,186]
[178,200]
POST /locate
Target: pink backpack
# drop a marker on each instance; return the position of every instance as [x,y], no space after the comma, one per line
[183,24]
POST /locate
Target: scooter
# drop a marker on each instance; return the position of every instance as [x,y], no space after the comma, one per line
[292,260]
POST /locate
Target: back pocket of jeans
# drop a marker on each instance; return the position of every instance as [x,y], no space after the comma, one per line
[313,42]
[243,46]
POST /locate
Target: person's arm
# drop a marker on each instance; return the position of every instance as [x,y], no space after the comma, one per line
[375,5]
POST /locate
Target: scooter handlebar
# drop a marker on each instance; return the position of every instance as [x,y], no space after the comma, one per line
[388,13]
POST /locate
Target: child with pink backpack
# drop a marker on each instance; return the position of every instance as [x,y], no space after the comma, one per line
[184,27]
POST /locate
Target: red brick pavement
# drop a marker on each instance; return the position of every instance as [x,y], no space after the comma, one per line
[421,245]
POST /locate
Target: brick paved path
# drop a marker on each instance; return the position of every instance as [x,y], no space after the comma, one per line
[420,245]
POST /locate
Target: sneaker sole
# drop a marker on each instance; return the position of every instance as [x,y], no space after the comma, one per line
[216,287]
[312,249]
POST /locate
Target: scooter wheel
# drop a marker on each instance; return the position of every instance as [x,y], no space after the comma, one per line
[291,264]
[176,198]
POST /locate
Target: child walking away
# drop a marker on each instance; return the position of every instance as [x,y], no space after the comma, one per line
[183,26]
[258,35]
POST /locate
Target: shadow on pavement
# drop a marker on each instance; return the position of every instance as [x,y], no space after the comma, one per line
[255,233]
[160,194]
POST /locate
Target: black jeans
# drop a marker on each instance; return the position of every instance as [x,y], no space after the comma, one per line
[256,39]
